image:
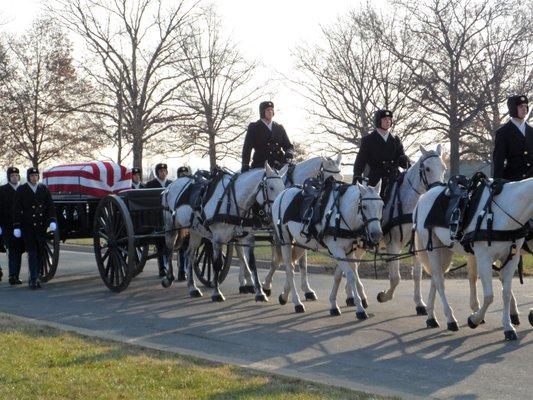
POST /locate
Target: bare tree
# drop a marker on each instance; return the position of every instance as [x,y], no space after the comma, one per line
[441,45]
[36,98]
[137,45]
[219,94]
[351,76]
[507,69]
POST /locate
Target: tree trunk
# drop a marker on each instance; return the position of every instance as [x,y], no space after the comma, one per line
[137,149]
[212,151]
[454,150]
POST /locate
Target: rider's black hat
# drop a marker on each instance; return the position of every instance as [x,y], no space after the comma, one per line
[160,166]
[30,171]
[12,170]
[263,106]
[513,102]
[183,171]
[379,114]
[136,170]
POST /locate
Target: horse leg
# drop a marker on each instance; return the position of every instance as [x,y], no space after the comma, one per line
[289,283]
[431,321]
[302,260]
[484,261]
[245,275]
[445,257]
[348,270]
[334,308]
[194,242]
[416,271]
[472,280]
[217,267]
[250,261]
[514,313]
[394,274]
[274,264]
[507,279]
[357,254]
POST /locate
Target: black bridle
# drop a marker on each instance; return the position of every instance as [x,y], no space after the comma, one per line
[367,221]
[423,177]
[265,210]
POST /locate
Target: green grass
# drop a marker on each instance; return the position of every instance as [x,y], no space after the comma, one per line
[44,363]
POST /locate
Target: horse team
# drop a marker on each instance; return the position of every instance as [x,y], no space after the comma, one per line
[354,219]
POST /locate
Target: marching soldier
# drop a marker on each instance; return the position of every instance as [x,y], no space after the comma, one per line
[182,276]
[160,181]
[513,145]
[136,178]
[268,139]
[15,246]
[382,152]
[33,213]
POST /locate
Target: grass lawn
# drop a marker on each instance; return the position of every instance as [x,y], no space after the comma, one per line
[44,363]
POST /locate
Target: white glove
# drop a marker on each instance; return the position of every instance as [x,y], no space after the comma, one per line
[53,226]
[17,233]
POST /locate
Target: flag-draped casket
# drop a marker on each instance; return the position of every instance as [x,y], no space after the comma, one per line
[95,179]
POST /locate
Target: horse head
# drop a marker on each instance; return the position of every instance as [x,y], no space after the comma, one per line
[370,210]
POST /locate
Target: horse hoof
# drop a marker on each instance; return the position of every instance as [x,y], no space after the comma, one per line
[452,326]
[421,310]
[511,335]
[261,297]
[471,323]
[218,298]
[361,315]
[531,317]
[242,290]
[381,297]
[335,312]
[299,309]
[195,293]
[311,296]
[166,283]
[182,276]
[515,319]
[350,302]
[281,300]
[432,323]
[268,292]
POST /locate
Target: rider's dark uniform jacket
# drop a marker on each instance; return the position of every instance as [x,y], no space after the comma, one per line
[513,152]
[33,212]
[272,146]
[383,158]
[154,183]
[7,196]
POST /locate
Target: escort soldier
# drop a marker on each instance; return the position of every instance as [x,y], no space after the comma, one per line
[382,152]
[182,275]
[136,178]
[268,139]
[33,213]
[513,144]
[14,246]
[183,171]
[160,180]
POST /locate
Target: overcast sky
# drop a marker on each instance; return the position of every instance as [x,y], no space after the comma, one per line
[266,31]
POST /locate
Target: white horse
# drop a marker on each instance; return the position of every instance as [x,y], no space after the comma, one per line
[220,223]
[316,167]
[422,175]
[512,209]
[356,209]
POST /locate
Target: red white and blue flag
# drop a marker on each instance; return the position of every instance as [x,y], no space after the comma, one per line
[95,178]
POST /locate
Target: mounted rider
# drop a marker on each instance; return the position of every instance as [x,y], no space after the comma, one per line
[513,144]
[382,152]
[269,141]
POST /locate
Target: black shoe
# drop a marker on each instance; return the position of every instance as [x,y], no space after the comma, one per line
[1,273]
[162,273]
[182,276]
[35,285]
[13,280]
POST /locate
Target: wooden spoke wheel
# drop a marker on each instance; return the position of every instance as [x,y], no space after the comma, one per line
[114,244]
[141,255]
[203,263]
[50,256]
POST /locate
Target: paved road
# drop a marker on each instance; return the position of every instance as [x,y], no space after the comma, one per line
[391,353]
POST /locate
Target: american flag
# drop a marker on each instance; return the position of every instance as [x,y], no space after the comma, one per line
[95,178]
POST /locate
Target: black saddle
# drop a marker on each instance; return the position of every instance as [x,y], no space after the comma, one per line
[201,189]
[455,207]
